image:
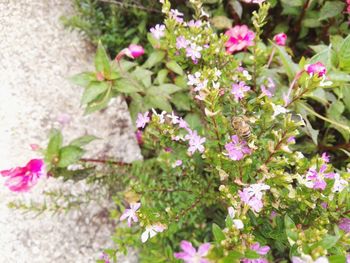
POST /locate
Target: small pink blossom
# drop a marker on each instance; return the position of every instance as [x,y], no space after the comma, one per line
[325,157]
[142,120]
[269,91]
[64,119]
[239,90]
[130,213]
[177,163]
[344,224]
[193,51]
[252,196]
[182,42]
[253,1]
[135,51]
[176,15]
[240,37]
[280,39]
[158,31]
[291,139]
[139,138]
[22,179]
[174,119]
[151,231]
[34,147]
[348,255]
[105,258]
[261,250]
[100,76]
[190,255]
[194,23]
[237,148]
[316,68]
[195,142]
[339,183]
[183,124]
[316,180]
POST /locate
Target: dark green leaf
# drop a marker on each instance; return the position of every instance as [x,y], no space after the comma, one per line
[181,101]
[102,61]
[156,57]
[331,9]
[290,228]
[344,54]
[165,89]
[288,64]
[158,102]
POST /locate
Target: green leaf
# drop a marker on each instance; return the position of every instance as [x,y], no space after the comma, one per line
[93,91]
[293,2]
[102,61]
[165,89]
[326,56]
[218,234]
[83,140]
[181,101]
[143,75]
[344,54]
[328,241]
[335,110]
[173,66]
[69,155]
[288,64]
[237,7]
[331,9]
[251,254]
[290,228]
[156,57]
[127,65]
[127,86]
[221,22]
[162,76]
[100,102]
[194,121]
[311,22]
[233,257]
[337,259]
[54,145]
[158,102]
[339,76]
[83,79]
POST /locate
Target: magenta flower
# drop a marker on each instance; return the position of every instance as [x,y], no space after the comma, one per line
[280,39]
[142,120]
[182,42]
[237,148]
[195,142]
[325,157]
[291,139]
[239,90]
[190,255]
[344,224]
[240,37]
[22,179]
[130,213]
[158,31]
[316,68]
[135,51]
[138,135]
[316,180]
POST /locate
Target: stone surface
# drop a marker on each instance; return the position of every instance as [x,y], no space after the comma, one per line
[37,55]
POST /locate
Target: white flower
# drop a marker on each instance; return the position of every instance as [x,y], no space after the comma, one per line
[339,184]
[231,212]
[247,75]
[160,116]
[158,31]
[151,231]
[278,109]
[238,223]
[194,79]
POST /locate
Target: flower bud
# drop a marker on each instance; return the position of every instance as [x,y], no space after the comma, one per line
[280,39]
[316,68]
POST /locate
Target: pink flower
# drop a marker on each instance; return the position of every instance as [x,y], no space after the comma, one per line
[177,163]
[22,179]
[105,258]
[176,15]
[280,39]
[316,68]
[190,255]
[195,142]
[316,179]
[237,149]
[291,139]
[348,255]
[34,147]
[142,120]
[158,31]
[130,213]
[138,135]
[260,250]
[252,196]
[194,23]
[174,119]
[325,157]
[193,51]
[135,51]
[182,42]
[239,90]
[151,231]
[240,37]
[344,224]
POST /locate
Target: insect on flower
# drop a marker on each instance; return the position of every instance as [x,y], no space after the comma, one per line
[241,127]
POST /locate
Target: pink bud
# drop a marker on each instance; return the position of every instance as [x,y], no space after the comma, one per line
[280,39]
[34,147]
[99,76]
[135,51]
[316,68]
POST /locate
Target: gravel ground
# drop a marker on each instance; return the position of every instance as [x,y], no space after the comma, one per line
[36,57]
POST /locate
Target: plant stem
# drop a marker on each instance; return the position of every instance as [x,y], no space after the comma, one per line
[91,160]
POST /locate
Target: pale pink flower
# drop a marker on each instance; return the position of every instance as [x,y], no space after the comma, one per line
[177,163]
[64,119]
[174,119]
[237,222]
[316,180]
[344,224]
[195,142]
[151,231]
[142,120]
[239,90]
[105,258]
[325,157]
[237,148]
[261,250]
[158,31]
[193,51]
[240,37]
[308,259]
[190,255]
[194,23]
[176,15]
[280,39]
[22,179]
[182,42]
[252,196]
[291,139]
[130,213]
[34,147]
[348,255]
[316,68]
[339,183]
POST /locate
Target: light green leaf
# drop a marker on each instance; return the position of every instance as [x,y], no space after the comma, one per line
[237,6]
[173,66]
[326,56]
[127,86]
[293,2]
[93,91]
[165,89]
[181,101]
[331,9]
[54,145]
[221,22]
[339,76]
[194,121]
[290,228]
[142,75]
[158,102]
[344,54]
[69,155]
[156,57]
[83,140]
[83,79]
[218,234]
[162,76]
[100,102]
[102,61]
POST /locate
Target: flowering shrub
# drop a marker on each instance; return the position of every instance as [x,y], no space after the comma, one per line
[222,178]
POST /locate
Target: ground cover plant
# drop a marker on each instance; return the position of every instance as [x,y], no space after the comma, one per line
[223,178]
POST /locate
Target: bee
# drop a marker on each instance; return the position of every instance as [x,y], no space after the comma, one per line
[241,127]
